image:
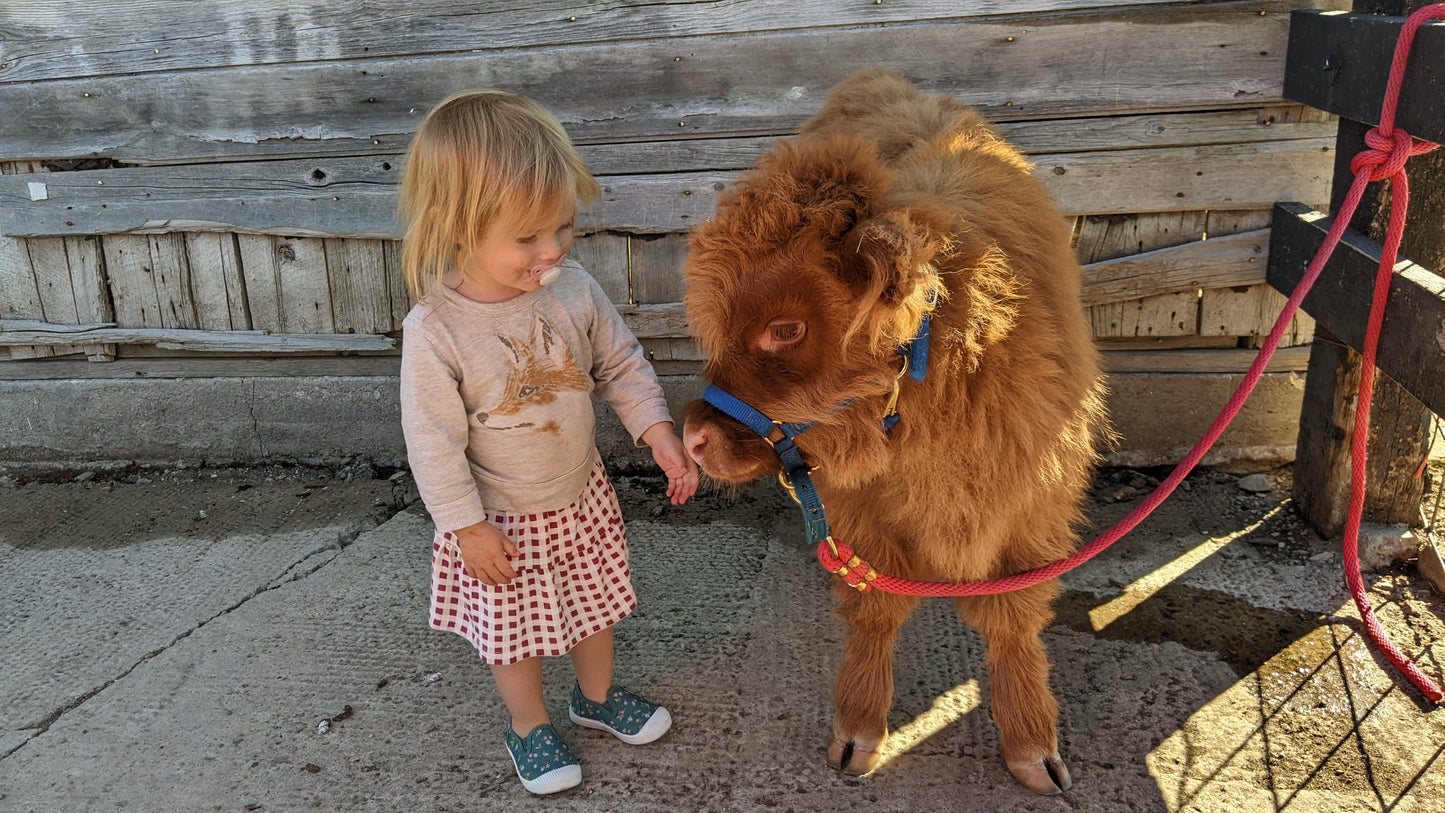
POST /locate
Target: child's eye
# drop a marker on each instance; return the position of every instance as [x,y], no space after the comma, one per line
[531,238]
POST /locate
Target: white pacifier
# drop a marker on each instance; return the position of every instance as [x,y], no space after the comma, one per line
[548,275]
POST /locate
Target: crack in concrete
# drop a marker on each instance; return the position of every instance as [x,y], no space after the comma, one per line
[255,422]
[344,539]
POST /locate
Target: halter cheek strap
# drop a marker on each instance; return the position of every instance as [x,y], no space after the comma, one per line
[796,476]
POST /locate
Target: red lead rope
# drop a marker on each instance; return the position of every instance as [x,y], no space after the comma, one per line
[1389,149]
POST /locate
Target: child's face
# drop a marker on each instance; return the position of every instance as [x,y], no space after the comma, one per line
[511,258]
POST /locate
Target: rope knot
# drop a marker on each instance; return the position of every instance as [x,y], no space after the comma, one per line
[1387,153]
[855,572]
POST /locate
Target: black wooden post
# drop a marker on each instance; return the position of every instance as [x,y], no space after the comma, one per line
[1345,74]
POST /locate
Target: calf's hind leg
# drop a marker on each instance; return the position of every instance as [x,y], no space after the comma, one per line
[1024,709]
[864,691]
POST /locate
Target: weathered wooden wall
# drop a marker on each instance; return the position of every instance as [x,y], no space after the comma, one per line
[180,171]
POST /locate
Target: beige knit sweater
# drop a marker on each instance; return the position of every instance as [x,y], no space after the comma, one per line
[496,398]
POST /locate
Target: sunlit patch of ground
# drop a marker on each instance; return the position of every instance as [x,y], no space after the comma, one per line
[1325,712]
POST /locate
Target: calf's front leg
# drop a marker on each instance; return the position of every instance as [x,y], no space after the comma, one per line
[864,691]
[1024,709]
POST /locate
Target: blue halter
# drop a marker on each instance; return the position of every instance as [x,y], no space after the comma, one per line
[796,476]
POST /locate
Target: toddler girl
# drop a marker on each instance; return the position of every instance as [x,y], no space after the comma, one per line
[500,357]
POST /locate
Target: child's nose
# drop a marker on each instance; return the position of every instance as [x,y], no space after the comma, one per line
[555,247]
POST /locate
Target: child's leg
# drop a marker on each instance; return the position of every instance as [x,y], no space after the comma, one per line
[520,684]
[592,660]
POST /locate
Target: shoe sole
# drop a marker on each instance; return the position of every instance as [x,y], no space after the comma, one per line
[557,779]
[658,724]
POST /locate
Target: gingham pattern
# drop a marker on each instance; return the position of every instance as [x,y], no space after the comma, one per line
[572,580]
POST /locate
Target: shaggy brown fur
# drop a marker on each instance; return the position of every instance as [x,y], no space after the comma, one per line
[817,265]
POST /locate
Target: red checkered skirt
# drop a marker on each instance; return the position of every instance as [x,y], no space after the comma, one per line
[572,580]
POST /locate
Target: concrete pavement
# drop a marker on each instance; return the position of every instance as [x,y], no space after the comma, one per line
[281,661]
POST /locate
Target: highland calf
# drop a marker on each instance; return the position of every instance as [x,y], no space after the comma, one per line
[893,204]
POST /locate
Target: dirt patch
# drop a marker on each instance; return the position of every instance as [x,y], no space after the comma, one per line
[109,508]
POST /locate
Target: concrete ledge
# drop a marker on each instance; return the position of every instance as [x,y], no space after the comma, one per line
[1160,416]
[328,418]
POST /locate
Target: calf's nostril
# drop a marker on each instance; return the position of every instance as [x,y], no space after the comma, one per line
[694,441]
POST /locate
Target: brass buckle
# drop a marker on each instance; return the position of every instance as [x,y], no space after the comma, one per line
[787,484]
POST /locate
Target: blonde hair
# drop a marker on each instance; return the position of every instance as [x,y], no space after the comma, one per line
[481,158]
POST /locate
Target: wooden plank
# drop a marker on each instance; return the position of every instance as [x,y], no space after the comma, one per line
[1250,310]
[19,296]
[87,279]
[51,268]
[1033,137]
[1166,315]
[92,297]
[51,39]
[210,341]
[233,365]
[1153,131]
[604,255]
[362,198]
[360,292]
[1223,222]
[1286,360]
[304,288]
[1232,260]
[663,321]
[1341,63]
[1223,55]
[1108,237]
[261,280]
[672,352]
[656,267]
[1170,343]
[396,280]
[132,288]
[52,276]
[1412,343]
[1239,176]
[220,293]
[171,270]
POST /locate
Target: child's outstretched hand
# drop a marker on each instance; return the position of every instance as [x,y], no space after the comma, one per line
[487,553]
[674,461]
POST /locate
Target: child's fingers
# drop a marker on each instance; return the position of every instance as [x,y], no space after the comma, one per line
[685,489]
[500,572]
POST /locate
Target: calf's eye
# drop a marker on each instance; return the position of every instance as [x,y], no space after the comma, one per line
[783,333]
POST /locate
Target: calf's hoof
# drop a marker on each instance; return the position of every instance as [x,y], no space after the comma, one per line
[1046,777]
[853,756]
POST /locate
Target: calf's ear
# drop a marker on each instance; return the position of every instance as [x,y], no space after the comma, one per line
[883,256]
